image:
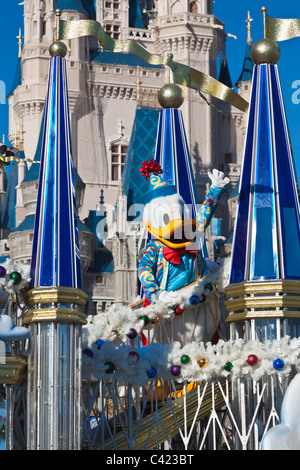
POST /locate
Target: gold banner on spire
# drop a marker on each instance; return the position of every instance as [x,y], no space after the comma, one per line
[182,74]
[282,29]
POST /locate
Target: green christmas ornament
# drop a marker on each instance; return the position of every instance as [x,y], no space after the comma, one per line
[110,367]
[16,277]
[185,359]
[228,366]
[145,319]
[208,286]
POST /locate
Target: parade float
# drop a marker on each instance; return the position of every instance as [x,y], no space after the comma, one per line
[157,374]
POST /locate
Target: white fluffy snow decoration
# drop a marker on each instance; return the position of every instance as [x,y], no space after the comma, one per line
[122,318]
[7,284]
[162,358]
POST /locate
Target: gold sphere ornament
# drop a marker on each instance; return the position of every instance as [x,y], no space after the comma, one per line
[202,362]
[155,320]
[265,51]
[170,96]
[116,333]
[58,48]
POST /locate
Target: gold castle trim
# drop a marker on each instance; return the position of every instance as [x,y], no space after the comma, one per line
[69,315]
[13,370]
[263,299]
[42,296]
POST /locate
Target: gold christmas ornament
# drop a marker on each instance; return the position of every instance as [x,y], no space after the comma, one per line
[155,320]
[202,362]
[116,333]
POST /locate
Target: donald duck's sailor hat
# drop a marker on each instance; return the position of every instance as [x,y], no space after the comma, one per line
[152,172]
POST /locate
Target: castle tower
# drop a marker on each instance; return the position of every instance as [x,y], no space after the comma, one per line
[56,299]
[190,31]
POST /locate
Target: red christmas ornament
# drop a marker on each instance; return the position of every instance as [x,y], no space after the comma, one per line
[178,310]
[252,360]
[134,357]
[150,167]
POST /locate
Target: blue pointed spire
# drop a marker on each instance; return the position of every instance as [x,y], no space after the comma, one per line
[55,254]
[266,242]
[172,153]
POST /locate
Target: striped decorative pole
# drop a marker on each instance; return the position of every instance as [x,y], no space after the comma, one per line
[263,297]
[56,300]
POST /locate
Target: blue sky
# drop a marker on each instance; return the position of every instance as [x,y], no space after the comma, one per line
[232,12]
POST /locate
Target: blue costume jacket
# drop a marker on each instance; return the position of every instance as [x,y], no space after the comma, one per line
[156,274]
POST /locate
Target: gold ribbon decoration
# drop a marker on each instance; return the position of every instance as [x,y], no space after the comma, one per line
[182,74]
[7,160]
[281,29]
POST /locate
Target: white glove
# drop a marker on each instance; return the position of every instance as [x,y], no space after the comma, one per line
[167,297]
[218,178]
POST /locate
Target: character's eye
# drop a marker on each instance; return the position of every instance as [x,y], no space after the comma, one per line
[162,216]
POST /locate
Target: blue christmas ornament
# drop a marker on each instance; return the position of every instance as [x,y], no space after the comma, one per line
[88,352]
[99,343]
[278,364]
[151,373]
[194,300]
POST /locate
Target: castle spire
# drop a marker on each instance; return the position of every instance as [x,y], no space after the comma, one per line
[247,70]
[249,27]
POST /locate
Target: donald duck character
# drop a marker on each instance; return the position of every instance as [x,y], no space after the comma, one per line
[171,259]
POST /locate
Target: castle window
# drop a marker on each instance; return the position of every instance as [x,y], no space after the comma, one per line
[112,30]
[228,158]
[118,157]
[193,7]
[44,28]
[113,4]
[34,28]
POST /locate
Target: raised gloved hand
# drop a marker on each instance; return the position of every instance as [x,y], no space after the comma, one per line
[167,297]
[218,179]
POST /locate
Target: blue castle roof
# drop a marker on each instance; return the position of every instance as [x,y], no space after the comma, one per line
[8,216]
[224,75]
[141,148]
[248,66]
[17,78]
[135,15]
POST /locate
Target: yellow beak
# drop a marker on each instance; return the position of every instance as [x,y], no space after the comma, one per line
[177,234]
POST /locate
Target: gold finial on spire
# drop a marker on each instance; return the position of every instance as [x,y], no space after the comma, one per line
[20,37]
[58,48]
[58,13]
[264,11]
[249,27]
